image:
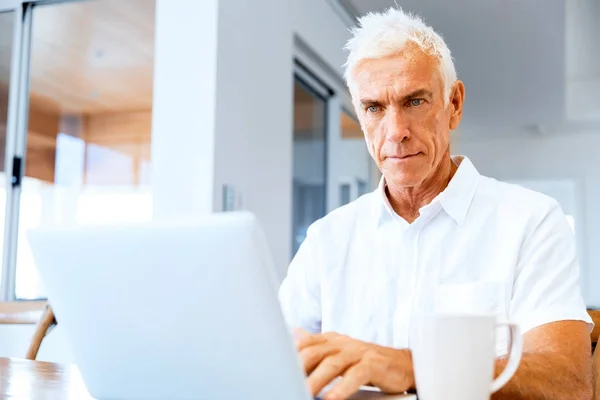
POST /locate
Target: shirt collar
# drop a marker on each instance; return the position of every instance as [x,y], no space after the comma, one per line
[455,199]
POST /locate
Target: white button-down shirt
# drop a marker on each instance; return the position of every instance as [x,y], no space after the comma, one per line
[481,246]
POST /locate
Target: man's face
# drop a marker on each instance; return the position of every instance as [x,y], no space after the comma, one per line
[399,101]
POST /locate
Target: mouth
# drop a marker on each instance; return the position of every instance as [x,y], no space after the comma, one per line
[404,157]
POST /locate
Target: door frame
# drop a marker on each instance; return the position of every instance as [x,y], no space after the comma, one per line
[15,137]
[16,134]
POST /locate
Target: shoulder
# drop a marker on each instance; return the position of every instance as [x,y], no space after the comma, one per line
[514,200]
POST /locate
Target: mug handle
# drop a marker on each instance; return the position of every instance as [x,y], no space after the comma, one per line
[515,352]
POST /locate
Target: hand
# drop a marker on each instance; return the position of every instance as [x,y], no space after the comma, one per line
[330,355]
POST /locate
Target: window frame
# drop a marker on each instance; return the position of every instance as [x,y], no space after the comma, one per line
[314,85]
[338,102]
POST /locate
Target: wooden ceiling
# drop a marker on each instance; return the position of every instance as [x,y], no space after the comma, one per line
[91,61]
[96,57]
[89,57]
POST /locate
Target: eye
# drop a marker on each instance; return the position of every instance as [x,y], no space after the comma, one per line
[416,102]
[372,109]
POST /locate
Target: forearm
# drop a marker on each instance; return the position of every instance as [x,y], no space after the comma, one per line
[546,376]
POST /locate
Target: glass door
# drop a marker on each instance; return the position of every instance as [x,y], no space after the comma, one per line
[87,151]
[310,156]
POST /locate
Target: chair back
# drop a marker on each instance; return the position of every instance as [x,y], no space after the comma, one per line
[43,327]
[20,312]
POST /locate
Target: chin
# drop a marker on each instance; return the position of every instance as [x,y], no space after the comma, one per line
[405,174]
[404,180]
[404,177]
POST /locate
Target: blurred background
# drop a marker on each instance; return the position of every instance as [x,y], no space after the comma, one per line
[117,111]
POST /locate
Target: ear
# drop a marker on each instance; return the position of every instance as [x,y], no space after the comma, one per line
[457,100]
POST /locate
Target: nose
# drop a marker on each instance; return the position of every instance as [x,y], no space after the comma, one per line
[397,129]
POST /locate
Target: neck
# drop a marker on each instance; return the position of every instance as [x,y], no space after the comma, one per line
[406,201]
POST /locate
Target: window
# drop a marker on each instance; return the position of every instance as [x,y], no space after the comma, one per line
[310,159]
[89,123]
[345,196]
[354,162]
[350,127]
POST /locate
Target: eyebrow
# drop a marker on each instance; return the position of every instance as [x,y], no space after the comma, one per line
[414,94]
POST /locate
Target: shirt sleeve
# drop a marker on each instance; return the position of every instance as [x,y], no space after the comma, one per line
[546,287]
[299,293]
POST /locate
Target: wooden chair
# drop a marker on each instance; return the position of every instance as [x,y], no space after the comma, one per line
[43,327]
[36,313]
[21,312]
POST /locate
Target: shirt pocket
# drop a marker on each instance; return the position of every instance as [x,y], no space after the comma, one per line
[481,297]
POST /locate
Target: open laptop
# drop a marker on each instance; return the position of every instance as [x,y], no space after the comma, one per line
[172,310]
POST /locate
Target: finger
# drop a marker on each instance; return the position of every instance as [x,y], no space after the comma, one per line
[309,340]
[355,377]
[312,356]
[329,369]
[299,333]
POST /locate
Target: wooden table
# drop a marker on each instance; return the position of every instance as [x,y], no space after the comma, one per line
[37,380]
[33,380]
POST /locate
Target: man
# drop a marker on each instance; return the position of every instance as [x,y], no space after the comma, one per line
[435,236]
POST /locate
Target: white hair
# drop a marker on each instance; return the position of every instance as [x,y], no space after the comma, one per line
[387,33]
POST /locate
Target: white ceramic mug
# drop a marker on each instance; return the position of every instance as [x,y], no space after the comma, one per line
[454,356]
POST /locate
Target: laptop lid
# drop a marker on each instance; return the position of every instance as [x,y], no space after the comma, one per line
[177,310]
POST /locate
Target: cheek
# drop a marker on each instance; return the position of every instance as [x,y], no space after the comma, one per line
[432,125]
[374,137]
[439,127]
[439,140]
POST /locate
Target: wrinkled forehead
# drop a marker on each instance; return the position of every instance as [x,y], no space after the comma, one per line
[399,74]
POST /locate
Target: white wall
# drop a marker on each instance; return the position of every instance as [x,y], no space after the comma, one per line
[583,59]
[315,22]
[183,114]
[254,114]
[565,158]
[254,108]
[236,87]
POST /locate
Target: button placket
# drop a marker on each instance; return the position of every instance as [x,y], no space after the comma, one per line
[405,291]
